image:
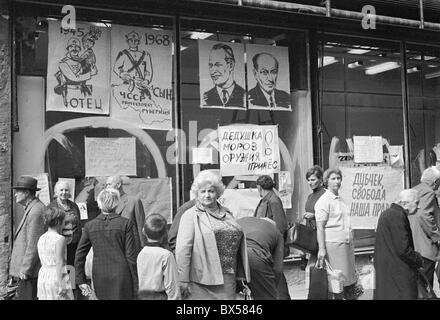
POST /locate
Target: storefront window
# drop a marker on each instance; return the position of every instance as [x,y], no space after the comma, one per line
[199,74]
[123,64]
[360,94]
[423,65]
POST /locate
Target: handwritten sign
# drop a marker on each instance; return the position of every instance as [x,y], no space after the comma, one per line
[368,149]
[241,202]
[248,149]
[285,189]
[110,156]
[141,80]
[43,183]
[78,68]
[368,191]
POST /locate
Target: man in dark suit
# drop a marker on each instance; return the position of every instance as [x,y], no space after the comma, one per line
[129,207]
[226,92]
[265,94]
[395,260]
[425,231]
[265,248]
[271,206]
[25,262]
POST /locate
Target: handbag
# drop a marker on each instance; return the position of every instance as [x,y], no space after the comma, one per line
[424,288]
[318,284]
[302,237]
[336,279]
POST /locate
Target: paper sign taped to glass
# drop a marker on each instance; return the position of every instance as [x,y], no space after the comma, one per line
[141,77]
[110,156]
[368,191]
[248,149]
[241,202]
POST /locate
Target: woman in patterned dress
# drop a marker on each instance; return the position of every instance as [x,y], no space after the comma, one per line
[53,280]
[210,247]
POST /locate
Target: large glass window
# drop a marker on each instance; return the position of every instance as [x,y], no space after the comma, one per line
[199,123]
[423,70]
[59,138]
[360,93]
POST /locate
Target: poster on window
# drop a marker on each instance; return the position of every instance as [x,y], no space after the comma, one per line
[110,156]
[221,75]
[368,191]
[248,149]
[268,77]
[78,69]
[141,76]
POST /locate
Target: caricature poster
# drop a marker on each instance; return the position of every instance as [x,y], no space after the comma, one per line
[78,69]
[221,74]
[268,77]
[141,76]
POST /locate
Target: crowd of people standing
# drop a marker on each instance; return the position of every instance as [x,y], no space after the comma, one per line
[207,253]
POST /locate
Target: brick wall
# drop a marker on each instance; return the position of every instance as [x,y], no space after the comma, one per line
[5,144]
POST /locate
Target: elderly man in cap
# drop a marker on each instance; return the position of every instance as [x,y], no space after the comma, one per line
[25,263]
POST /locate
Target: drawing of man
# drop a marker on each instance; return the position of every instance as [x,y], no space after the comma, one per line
[70,75]
[265,93]
[134,66]
[226,92]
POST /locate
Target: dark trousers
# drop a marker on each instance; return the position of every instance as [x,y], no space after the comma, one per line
[263,284]
[27,289]
[283,290]
[428,268]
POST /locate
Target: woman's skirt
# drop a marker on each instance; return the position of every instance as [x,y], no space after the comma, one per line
[341,257]
[225,291]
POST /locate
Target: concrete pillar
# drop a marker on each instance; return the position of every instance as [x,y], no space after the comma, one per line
[5,143]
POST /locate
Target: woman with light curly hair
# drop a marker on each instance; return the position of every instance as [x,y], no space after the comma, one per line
[210,247]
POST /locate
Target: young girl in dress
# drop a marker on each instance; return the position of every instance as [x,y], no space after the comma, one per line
[53,280]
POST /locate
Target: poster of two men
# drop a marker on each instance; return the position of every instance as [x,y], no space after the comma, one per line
[223,80]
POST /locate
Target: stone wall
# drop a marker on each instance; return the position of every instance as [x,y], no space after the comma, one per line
[5,144]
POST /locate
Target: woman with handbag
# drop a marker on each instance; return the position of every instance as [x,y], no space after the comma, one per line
[334,233]
[211,250]
[314,179]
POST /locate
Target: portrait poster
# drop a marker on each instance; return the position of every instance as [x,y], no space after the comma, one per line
[110,156]
[78,69]
[248,149]
[141,76]
[221,75]
[368,191]
[269,80]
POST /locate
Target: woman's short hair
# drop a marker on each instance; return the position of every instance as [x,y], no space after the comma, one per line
[108,200]
[315,170]
[208,177]
[53,216]
[58,185]
[265,182]
[155,227]
[329,172]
